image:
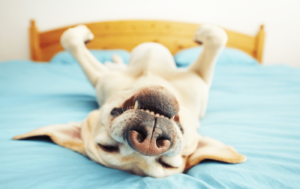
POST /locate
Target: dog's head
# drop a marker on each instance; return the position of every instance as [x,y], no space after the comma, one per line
[146,131]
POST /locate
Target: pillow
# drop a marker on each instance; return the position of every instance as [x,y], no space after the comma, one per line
[103,56]
[229,56]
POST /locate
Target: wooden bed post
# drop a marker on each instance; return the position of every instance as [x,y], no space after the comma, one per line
[35,49]
[260,37]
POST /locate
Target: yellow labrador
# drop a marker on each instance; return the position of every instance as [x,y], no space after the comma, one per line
[149,110]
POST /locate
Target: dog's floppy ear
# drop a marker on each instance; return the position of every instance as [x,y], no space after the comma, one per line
[66,135]
[209,148]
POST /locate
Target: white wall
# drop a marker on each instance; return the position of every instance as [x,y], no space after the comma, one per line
[281,19]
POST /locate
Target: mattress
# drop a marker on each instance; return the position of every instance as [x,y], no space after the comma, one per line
[254,108]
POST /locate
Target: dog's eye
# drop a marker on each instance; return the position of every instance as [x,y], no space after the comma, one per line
[110,149]
[165,165]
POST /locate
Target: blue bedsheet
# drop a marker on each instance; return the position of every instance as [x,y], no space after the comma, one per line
[254,108]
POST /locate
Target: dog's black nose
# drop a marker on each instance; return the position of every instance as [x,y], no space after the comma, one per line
[152,136]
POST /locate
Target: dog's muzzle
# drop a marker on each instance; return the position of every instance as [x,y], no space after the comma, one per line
[151,130]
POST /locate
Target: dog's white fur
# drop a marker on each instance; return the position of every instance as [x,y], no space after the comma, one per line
[151,64]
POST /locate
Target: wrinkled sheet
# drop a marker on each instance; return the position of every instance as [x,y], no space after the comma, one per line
[254,108]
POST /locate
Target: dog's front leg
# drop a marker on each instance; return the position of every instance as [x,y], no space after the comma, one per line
[74,40]
[214,40]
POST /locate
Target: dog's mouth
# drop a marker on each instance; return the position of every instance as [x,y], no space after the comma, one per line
[154,111]
[118,111]
[154,100]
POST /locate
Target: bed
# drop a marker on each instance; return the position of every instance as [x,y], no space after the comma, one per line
[252,107]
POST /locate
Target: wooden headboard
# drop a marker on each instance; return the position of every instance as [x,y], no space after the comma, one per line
[130,33]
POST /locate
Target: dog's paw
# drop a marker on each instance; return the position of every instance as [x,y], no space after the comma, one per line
[76,36]
[117,59]
[210,35]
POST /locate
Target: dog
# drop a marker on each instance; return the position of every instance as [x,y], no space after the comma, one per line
[149,110]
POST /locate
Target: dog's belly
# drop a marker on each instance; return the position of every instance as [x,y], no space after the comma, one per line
[151,57]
